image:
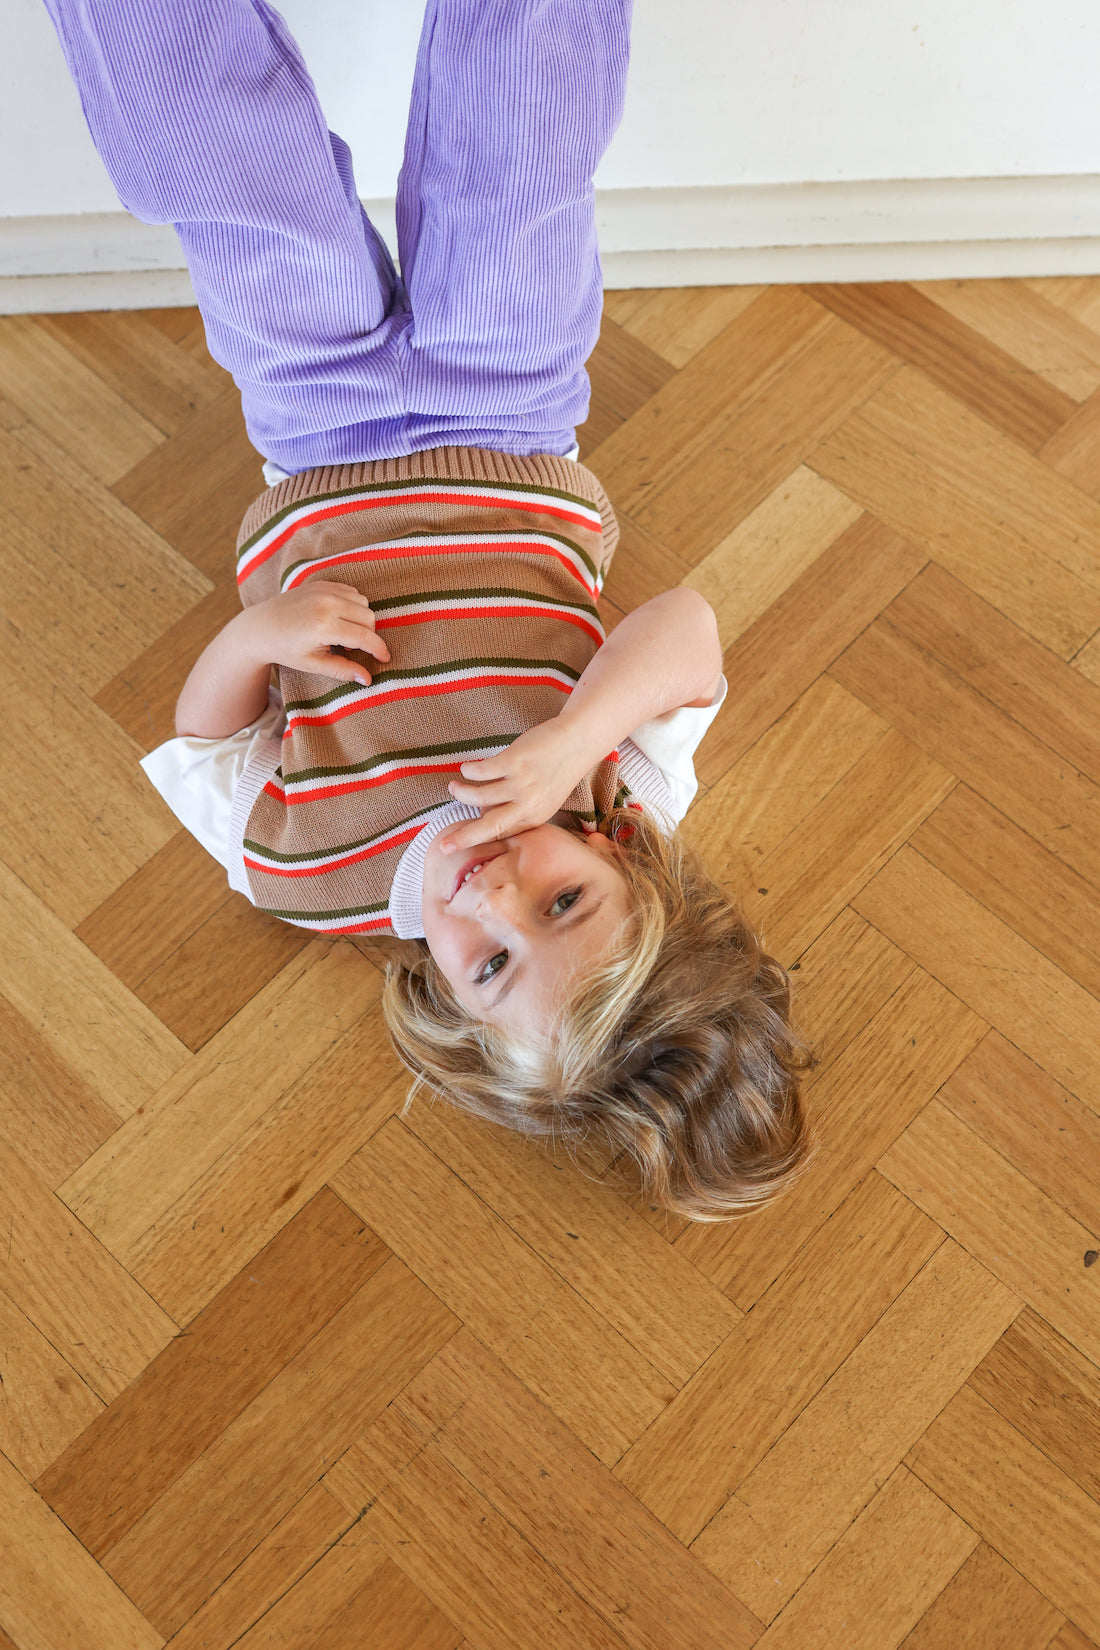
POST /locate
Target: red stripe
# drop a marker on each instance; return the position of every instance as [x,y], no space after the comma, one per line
[338,715]
[350,506]
[337,864]
[351,785]
[368,553]
[358,927]
[530,611]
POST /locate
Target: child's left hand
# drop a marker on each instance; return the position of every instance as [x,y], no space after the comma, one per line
[518,788]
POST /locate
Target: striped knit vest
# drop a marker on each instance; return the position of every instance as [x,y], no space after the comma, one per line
[482,570]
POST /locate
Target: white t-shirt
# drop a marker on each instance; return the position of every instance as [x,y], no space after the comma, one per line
[198,777]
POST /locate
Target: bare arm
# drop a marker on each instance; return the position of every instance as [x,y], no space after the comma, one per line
[663,655]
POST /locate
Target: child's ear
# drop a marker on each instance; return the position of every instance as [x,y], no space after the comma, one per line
[601,843]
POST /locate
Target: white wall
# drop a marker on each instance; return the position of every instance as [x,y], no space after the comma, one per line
[748,101]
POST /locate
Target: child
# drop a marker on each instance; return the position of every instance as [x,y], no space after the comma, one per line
[451,759]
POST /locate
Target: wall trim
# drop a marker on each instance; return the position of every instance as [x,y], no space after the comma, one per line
[736,234]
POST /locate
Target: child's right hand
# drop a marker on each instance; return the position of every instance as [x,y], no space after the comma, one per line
[300,628]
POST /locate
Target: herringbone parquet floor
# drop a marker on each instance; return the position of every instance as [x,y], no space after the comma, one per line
[282,1370]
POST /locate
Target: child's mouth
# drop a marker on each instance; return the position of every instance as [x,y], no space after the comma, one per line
[469,871]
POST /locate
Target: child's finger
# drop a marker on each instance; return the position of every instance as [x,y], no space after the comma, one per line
[489,828]
[481,796]
[487,767]
[359,636]
[340,669]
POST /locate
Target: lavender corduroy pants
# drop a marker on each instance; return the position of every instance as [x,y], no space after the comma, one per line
[206,118]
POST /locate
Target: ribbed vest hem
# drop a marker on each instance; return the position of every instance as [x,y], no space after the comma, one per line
[252,781]
[443,464]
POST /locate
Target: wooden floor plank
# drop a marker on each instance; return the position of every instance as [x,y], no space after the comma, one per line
[1024,324]
[625,371]
[759,1380]
[780,781]
[43,1402]
[216,969]
[975,505]
[1002,663]
[866,1593]
[476,1568]
[286,1554]
[1033,1246]
[196,486]
[216,1512]
[48,1114]
[141,925]
[1042,1129]
[274,1169]
[988,966]
[111,1476]
[1017,879]
[679,322]
[77,815]
[745,458]
[529,1466]
[969,367]
[778,541]
[113,584]
[139,362]
[775,1529]
[1049,1392]
[96,426]
[78,1008]
[51,1591]
[990,751]
[142,697]
[1020,1503]
[505,1293]
[351,1585]
[807,880]
[124,1188]
[803,632]
[987,1606]
[98,1319]
[644,1289]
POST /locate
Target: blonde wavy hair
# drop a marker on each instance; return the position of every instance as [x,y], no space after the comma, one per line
[676,1042]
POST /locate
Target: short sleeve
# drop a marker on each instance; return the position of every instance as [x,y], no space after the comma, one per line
[670,742]
[198,778]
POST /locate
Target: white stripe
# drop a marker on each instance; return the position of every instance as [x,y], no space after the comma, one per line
[332,924]
[303,787]
[362,696]
[541,604]
[264,857]
[444,541]
[299,517]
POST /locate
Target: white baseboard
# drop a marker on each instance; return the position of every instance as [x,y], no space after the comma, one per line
[915,229]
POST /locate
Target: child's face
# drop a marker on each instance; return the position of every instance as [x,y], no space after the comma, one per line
[507,938]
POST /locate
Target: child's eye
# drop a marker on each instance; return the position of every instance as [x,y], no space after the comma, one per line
[570,896]
[490,970]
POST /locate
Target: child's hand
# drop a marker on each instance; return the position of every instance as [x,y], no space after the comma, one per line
[517,789]
[301,627]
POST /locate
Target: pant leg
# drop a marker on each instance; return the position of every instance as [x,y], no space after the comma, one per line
[513,105]
[207,118]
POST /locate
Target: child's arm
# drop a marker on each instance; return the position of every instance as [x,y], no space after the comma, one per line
[227,688]
[662,656]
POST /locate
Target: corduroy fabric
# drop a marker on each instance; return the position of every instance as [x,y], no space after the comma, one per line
[483,571]
[206,117]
